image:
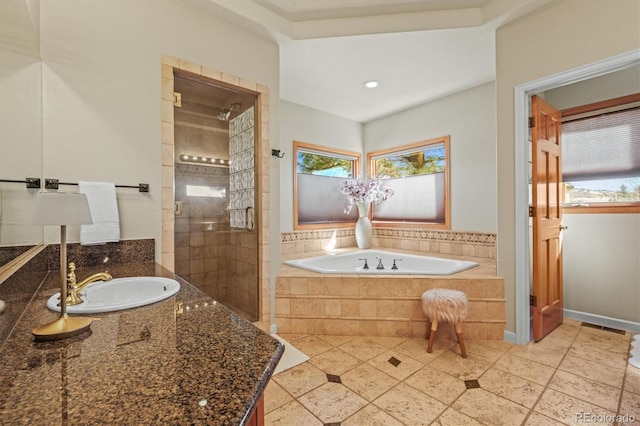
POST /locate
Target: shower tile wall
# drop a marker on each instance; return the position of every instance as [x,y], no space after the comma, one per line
[201,231]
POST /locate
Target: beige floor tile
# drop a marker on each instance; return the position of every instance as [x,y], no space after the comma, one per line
[417,349]
[544,352]
[599,394]
[368,382]
[525,368]
[312,345]
[453,417]
[290,414]
[537,419]
[410,406]
[511,387]
[632,379]
[602,356]
[461,368]
[337,340]
[371,416]
[435,383]
[301,379]
[387,363]
[480,351]
[490,409]
[593,370]
[388,341]
[604,340]
[498,345]
[332,402]
[275,397]
[363,348]
[335,361]
[290,337]
[567,409]
[630,407]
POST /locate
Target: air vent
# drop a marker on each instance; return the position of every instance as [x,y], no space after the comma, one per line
[601,327]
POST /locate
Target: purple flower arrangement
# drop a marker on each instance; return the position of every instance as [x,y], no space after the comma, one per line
[371,191]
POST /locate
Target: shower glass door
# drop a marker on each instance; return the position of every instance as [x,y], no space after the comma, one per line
[216,245]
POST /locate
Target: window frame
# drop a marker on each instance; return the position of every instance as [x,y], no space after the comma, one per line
[593,109]
[357,170]
[371,157]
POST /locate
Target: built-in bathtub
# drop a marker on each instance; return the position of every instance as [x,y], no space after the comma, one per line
[380,262]
[382,302]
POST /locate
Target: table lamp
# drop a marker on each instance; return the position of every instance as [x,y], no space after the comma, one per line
[52,208]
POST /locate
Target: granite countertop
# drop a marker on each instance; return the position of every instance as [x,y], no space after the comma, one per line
[184,360]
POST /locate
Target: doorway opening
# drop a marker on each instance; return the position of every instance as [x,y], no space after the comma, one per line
[214,142]
[258,251]
[522,94]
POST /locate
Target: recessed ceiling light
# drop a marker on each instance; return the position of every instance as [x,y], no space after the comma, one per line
[371,84]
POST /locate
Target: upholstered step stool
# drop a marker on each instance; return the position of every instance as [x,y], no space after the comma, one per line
[445,305]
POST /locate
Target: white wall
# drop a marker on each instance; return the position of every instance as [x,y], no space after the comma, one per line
[561,36]
[101,92]
[20,122]
[602,265]
[309,125]
[469,117]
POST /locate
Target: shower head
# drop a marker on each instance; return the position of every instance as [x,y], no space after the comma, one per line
[225,113]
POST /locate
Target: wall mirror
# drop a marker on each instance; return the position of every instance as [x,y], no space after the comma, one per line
[21,126]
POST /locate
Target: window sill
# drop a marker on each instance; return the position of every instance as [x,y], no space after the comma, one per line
[601,208]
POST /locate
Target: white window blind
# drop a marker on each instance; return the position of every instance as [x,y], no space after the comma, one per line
[602,147]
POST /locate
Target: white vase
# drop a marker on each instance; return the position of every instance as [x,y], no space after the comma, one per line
[364,229]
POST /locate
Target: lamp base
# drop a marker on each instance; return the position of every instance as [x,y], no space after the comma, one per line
[62,328]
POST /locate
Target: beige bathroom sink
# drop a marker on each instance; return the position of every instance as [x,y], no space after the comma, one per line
[118,294]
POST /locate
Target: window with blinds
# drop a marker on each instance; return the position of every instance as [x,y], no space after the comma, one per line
[418,174]
[601,155]
[319,173]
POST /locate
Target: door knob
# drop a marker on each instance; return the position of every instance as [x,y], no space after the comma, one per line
[563,227]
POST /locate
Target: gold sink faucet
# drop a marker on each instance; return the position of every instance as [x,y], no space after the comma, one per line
[73,298]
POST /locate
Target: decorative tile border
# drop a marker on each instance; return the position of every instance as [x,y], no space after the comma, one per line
[460,243]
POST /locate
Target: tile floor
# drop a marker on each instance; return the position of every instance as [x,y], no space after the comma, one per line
[576,375]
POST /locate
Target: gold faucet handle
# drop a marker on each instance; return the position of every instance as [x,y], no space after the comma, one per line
[71,277]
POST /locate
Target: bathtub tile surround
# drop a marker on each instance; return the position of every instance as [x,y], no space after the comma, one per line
[364,305]
[441,388]
[458,243]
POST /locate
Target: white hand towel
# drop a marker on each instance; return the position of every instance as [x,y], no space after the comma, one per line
[104,212]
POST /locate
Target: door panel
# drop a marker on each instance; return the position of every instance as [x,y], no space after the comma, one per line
[547,218]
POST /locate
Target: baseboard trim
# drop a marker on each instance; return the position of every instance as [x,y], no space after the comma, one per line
[602,320]
[510,336]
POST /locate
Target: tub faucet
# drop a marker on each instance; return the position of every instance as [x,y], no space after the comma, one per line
[75,288]
[380,265]
[394,263]
[365,264]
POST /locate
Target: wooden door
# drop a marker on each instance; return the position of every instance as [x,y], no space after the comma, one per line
[546,183]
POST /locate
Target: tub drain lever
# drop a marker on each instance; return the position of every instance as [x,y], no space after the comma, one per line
[394,263]
[365,264]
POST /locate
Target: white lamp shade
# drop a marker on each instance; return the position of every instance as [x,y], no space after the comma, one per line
[59,208]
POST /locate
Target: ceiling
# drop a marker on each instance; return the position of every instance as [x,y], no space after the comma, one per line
[419,50]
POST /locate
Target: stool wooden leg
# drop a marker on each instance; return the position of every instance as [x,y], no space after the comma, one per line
[432,335]
[428,330]
[460,340]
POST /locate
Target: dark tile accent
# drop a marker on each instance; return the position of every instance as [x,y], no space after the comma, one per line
[394,361]
[333,378]
[602,327]
[332,424]
[11,252]
[472,384]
